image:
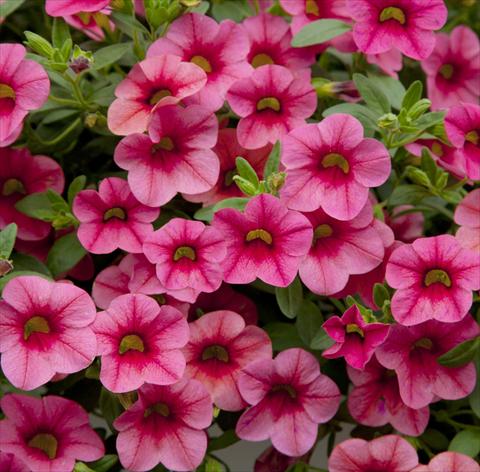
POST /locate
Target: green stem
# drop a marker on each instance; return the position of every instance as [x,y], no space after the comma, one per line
[65,101]
[338,304]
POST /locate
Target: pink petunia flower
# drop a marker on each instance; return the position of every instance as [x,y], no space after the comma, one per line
[150,84]
[71,7]
[355,339]
[389,453]
[188,255]
[407,25]
[375,401]
[11,463]
[220,346]
[332,166]
[139,342]
[289,398]
[24,86]
[176,156]
[390,62]
[408,226]
[219,49]
[112,218]
[449,462]
[272,460]
[267,241]
[453,68]
[165,425]
[47,434]
[44,330]
[270,103]
[92,23]
[22,174]
[412,352]
[434,278]
[467,215]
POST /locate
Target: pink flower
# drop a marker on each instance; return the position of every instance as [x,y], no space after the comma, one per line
[270,460]
[140,342]
[270,103]
[91,23]
[220,346]
[449,462]
[407,25]
[44,330]
[413,352]
[47,434]
[228,149]
[355,339]
[188,255]
[219,49]
[389,453]
[390,62]
[165,425]
[22,174]
[11,463]
[462,124]
[24,86]
[467,214]
[71,7]
[453,68]
[340,248]
[112,218]
[375,401]
[176,156]
[408,226]
[289,398]
[152,83]
[267,241]
[332,166]
[434,278]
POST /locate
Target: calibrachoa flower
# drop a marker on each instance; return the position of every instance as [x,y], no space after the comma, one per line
[272,460]
[407,25]
[112,218]
[451,462]
[375,401]
[467,215]
[408,226]
[187,254]
[152,83]
[289,398]
[219,49]
[176,156]
[331,165]
[92,23]
[355,339]
[70,7]
[434,278]
[139,342]
[413,352]
[220,346]
[266,240]
[165,425]
[22,174]
[389,453]
[453,68]
[270,103]
[44,330]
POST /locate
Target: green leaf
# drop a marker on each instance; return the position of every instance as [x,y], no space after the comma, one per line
[82,467]
[428,120]
[206,213]
[321,341]
[309,321]
[435,439]
[235,10]
[273,162]
[78,183]
[60,33]
[380,294]
[461,354]
[392,88]
[466,442]
[104,464]
[319,31]
[202,8]
[37,205]
[65,254]
[375,99]
[128,24]
[412,95]
[428,165]
[407,194]
[289,298]
[109,55]
[474,398]
[110,407]
[26,262]
[58,115]
[367,117]
[7,240]
[228,438]
[283,336]
[9,7]
[246,171]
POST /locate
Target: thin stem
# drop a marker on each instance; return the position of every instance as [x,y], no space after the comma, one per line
[65,101]
[338,304]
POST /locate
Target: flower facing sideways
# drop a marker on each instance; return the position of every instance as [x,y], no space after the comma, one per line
[467,215]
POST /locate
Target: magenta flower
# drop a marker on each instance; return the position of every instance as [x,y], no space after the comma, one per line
[340,248]
[355,339]
[165,425]
[408,25]
[406,227]
[267,241]
[289,398]
[390,62]
[412,352]
[451,462]
[24,86]
[71,7]
[112,218]
[219,49]
[139,342]
[375,401]
[175,157]
[88,23]
[453,68]
[270,103]
[48,433]
[332,166]
[44,330]
[11,463]
[152,83]
[389,453]
[188,255]
[220,346]
[434,278]
[22,174]
[467,214]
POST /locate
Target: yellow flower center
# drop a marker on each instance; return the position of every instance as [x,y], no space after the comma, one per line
[393,13]
[354,328]
[472,136]
[285,388]
[184,251]
[114,213]
[262,60]
[424,343]
[268,102]
[160,408]
[437,149]
[6,91]
[265,236]
[131,342]
[336,160]
[322,231]
[446,71]
[215,352]
[200,61]
[12,186]
[311,8]
[46,443]
[165,143]
[437,276]
[158,95]
[36,324]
